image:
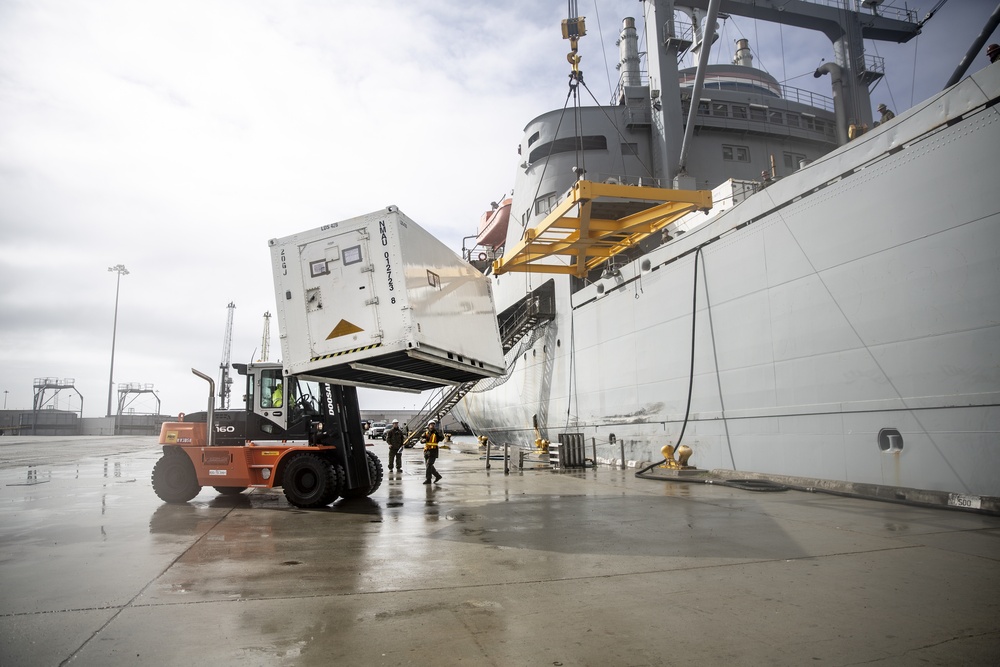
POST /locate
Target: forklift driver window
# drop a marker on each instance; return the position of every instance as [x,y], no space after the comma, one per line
[271,390]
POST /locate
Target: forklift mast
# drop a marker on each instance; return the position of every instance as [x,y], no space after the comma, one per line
[343,416]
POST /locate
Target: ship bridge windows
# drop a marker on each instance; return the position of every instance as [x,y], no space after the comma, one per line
[546,203]
[532,139]
[569,145]
[761,114]
[735,153]
[792,160]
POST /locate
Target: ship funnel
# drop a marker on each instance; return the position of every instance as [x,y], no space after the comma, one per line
[743,56]
[628,54]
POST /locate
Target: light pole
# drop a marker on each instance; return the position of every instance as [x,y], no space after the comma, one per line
[5,392]
[120,270]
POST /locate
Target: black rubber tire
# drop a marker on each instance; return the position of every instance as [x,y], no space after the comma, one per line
[340,476]
[375,472]
[230,490]
[174,478]
[309,481]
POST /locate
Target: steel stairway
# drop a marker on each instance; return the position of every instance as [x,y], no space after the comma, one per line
[515,323]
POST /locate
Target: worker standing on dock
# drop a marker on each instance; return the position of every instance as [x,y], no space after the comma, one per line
[431,438]
[394,436]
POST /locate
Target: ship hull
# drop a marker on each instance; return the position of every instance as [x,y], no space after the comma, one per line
[846,323]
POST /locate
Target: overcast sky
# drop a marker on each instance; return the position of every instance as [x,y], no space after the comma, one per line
[177,137]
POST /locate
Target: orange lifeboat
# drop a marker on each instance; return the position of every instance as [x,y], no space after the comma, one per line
[493,225]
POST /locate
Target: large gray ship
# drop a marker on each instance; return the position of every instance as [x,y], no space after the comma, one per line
[772,278]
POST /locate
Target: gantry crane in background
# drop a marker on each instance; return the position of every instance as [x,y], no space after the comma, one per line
[265,343]
[225,382]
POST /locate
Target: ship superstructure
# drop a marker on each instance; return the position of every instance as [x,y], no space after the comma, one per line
[833,313]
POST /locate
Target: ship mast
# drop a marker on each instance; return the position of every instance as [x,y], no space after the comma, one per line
[664,90]
[845,28]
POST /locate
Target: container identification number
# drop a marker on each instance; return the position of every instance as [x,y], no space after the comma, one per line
[388,262]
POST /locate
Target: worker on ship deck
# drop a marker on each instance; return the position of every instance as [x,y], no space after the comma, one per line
[886,112]
[431,439]
[993,52]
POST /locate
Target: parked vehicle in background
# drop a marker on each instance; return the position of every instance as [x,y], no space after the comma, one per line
[377,430]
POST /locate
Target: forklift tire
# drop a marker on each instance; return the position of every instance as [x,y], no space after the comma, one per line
[174,478]
[230,490]
[309,481]
[340,476]
[375,472]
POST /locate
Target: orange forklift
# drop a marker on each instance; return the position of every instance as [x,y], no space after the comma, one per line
[372,301]
[301,435]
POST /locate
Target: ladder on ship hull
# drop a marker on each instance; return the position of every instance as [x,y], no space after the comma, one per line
[535,309]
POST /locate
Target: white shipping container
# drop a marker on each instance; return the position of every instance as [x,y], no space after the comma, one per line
[378,301]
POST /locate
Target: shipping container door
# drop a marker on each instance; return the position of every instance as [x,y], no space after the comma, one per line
[340,300]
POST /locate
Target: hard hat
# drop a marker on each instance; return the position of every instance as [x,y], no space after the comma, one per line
[395,421]
[881,106]
[993,48]
[433,421]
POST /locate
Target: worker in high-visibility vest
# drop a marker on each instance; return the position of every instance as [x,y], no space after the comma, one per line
[431,438]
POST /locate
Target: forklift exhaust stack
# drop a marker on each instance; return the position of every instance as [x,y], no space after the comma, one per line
[211,404]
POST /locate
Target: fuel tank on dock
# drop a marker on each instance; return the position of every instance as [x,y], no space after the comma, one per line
[377,301]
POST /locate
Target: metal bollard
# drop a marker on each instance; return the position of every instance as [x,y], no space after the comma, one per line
[593,446]
[621,444]
[506,458]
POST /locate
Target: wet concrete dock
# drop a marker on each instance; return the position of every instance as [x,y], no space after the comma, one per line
[591,567]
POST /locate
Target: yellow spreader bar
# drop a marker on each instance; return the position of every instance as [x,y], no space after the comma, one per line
[597,221]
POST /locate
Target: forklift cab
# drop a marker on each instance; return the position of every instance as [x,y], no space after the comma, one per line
[278,405]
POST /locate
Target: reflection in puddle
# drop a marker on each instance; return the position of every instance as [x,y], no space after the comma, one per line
[32,478]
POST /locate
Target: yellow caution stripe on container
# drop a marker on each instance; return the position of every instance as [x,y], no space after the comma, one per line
[343,352]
